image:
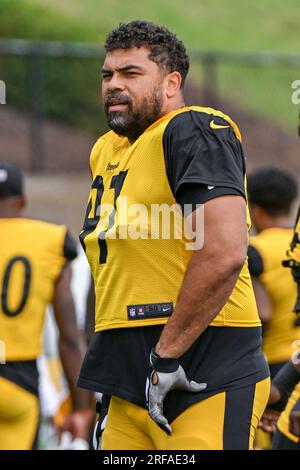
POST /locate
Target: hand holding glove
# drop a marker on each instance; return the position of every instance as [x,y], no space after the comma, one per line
[166,375]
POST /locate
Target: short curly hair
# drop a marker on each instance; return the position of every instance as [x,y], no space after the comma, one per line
[166,50]
[273,189]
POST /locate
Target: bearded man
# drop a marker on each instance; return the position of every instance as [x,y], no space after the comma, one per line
[180,323]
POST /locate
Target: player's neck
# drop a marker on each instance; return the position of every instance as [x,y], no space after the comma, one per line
[8,211]
[282,221]
[173,105]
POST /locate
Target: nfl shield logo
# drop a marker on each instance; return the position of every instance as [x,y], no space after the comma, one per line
[132,312]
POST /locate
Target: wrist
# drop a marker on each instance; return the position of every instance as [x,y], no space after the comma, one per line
[286,380]
[165,353]
[274,395]
[163,364]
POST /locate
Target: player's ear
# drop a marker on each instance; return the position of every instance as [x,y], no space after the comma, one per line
[173,84]
[258,212]
[22,202]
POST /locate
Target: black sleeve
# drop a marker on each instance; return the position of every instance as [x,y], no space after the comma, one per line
[255,262]
[203,150]
[194,193]
[70,248]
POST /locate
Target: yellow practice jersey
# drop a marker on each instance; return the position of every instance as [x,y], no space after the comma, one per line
[31,260]
[281,333]
[284,419]
[138,278]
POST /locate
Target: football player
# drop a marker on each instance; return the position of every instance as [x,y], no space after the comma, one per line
[35,270]
[180,323]
[272,192]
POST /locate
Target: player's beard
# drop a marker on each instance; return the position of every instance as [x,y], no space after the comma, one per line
[132,122]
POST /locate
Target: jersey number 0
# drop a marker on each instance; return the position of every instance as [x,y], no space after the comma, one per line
[27,278]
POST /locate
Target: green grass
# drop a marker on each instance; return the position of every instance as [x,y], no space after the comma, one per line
[221,24]
[31,19]
[241,25]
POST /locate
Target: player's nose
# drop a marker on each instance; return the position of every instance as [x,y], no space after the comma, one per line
[115,83]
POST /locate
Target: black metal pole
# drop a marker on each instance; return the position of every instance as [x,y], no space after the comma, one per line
[36,88]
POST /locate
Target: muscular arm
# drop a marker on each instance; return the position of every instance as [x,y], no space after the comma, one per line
[70,342]
[211,275]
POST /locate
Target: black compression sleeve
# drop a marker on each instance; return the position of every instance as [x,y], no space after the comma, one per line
[286,380]
[255,262]
[70,248]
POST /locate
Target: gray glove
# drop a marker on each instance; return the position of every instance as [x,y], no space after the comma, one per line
[102,406]
[166,375]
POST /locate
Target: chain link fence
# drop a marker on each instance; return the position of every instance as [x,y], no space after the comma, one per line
[53,114]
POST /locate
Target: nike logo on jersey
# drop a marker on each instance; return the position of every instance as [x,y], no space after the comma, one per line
[213,125]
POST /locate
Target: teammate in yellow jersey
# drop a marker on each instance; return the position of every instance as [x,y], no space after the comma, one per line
[34,271]
[272,192]
[286,384]
[285,389]
[174,316]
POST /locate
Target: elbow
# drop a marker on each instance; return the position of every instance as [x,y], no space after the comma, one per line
[68,344]
[234,260]
[264,315]
[239,260]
